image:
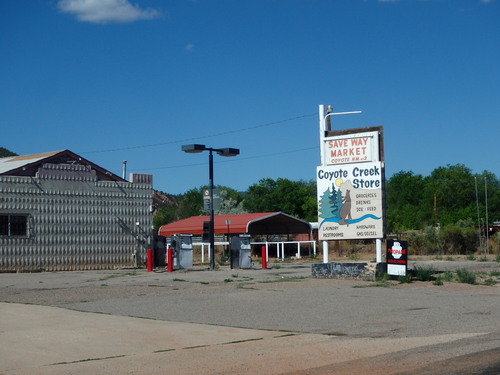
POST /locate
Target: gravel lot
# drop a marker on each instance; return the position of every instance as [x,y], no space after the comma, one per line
[456,324]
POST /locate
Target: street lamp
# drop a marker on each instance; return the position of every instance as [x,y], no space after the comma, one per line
[193,149]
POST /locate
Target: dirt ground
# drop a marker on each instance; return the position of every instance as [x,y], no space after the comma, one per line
[233,321]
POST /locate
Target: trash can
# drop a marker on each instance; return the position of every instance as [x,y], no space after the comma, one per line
[159,251]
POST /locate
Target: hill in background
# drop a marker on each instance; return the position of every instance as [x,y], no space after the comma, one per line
[5,153]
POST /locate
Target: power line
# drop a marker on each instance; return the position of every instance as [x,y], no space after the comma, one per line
[200,137]
[230,160]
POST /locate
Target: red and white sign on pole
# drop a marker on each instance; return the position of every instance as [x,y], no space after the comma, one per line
[353,148]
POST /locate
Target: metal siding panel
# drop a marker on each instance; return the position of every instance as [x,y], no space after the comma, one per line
[74,224]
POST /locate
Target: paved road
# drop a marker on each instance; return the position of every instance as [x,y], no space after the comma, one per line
[275,321]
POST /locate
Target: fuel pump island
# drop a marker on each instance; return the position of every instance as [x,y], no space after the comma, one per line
[176,252]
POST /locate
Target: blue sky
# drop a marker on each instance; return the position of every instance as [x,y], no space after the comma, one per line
[116,80]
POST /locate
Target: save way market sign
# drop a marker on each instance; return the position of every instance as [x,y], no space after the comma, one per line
[351,148]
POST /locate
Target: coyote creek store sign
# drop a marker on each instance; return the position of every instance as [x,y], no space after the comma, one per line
[350,201]
[352,148]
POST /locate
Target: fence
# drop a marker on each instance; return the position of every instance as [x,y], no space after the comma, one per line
[280,248]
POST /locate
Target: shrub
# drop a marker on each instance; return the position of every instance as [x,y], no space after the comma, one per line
[434,241]
[424,273]
[495,245]
[465,276]
[458,239]
[405,279]
[438,281]
[381,279]
[416,241]
[448,276]
[490,282]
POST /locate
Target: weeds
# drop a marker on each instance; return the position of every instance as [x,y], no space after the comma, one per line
[283,279]
[424,273]
[406,279]
[465,276]
[490,282]
[353,256]
[382,279]
[448,276]
[429,274]
[115,275]
[438,281]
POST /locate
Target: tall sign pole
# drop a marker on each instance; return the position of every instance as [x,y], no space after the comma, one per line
[322,130]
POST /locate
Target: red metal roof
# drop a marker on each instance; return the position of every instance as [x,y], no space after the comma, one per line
[256,223]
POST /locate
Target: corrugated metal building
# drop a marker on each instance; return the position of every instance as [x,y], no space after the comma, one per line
[59,211]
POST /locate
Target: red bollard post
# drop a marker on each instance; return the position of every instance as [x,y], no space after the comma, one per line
[264,258]
[149,260]
[170,259]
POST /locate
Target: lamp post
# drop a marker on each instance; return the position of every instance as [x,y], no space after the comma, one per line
[195,148]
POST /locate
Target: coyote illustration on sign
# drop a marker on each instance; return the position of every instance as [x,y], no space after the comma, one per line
[345,211]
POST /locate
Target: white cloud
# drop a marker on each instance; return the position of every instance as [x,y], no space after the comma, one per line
[106,11]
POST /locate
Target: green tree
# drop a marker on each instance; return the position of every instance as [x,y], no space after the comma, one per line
[165,214]
[5,153]
[231,201]
[492,189]
[452,189]
[191,203]
[404,199]
[446,196]
[294,198]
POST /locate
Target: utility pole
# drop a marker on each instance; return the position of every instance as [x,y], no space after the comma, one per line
[486,204]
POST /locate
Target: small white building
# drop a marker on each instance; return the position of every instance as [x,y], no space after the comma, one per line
[59,211]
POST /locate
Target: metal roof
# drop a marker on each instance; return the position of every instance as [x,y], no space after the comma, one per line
[254,223]
[27,165]
[11,163]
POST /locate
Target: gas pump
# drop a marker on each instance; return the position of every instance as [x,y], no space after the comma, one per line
[241,256]
[182,244]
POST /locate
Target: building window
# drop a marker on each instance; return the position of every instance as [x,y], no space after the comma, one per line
[13,225]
